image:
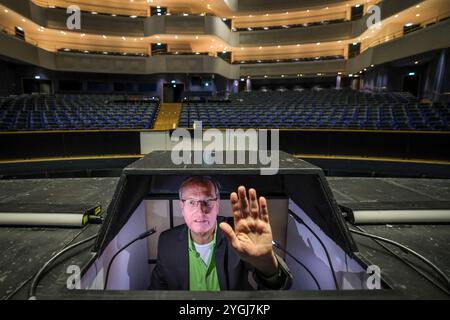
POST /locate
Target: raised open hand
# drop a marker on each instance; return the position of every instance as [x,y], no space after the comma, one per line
[252,234]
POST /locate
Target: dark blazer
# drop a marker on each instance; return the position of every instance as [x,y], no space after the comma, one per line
[172,266]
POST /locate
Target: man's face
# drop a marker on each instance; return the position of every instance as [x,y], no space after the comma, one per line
[199,206]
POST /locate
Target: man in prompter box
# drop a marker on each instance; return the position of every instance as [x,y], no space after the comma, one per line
[213,253]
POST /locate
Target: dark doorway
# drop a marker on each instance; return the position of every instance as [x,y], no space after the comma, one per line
[37,86]
[172,92]
[411,84]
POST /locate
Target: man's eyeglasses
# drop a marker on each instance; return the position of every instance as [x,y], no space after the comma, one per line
[192,203]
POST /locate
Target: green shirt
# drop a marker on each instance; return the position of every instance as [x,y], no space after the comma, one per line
[202,277]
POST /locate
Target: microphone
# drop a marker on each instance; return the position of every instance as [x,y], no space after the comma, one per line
[143,235]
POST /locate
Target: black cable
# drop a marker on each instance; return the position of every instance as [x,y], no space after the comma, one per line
[405,261]
[333,273]
[12,293]
[37,277]
[408,250]
[139,237]
[277,245]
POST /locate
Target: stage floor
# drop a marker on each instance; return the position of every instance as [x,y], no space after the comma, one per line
[25,250]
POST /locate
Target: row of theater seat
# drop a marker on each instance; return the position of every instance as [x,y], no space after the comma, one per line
[77,112]
[326,109]
[296,25]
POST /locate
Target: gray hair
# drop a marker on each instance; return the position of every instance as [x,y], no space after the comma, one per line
[201,179]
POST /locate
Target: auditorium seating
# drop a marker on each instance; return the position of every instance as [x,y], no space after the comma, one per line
[324,109]
[296,25]
[76,112]
[303,59]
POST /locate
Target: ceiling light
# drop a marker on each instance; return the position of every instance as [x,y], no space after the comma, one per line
[94,12]
[133,17]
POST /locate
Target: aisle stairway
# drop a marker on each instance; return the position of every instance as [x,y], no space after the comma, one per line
[167,116]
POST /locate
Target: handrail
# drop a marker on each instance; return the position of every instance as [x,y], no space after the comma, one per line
[399,34]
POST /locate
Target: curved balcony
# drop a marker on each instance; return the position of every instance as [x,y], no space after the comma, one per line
[426,39]
[204,25]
